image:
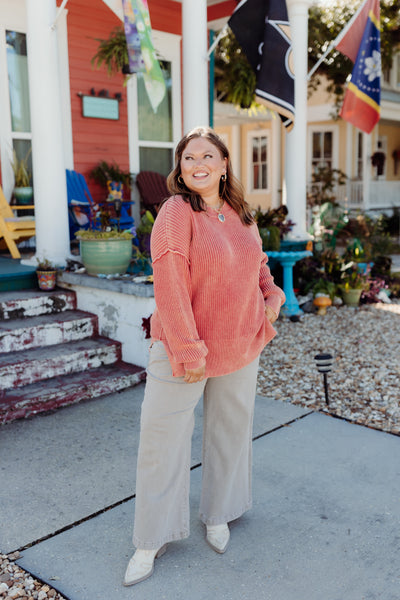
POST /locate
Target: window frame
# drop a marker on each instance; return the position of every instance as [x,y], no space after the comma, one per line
[258,133]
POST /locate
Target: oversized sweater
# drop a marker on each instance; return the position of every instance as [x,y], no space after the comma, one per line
[211,285]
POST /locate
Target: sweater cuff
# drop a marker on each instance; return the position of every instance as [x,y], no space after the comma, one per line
[196,364]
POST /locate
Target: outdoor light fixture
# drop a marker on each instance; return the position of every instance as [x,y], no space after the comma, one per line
[324,366]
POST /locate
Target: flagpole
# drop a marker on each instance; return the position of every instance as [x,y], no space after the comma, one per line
[337,39]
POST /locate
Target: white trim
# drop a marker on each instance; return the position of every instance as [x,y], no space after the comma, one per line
[319,112]
[276,163]
[65,89]
[253,133]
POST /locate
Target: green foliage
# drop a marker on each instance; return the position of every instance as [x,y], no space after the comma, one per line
[323,182]
[95,234]
[45,265]
[22,175]
[235,81]
[104,172]
[146,223]
[112,52]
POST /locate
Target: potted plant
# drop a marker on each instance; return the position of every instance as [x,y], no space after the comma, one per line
[46,274]
[353,284]
[105,172]
[23,190]
[106,252]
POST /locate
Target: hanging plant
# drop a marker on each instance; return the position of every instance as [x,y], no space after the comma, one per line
[112,52]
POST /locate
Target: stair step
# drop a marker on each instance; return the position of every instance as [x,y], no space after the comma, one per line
[46,330]
[29,366]
[32,303]
[67,389]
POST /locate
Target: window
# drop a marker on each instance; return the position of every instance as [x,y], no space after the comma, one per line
[322,150]
[359,166]
[17,66]
[155,129]
[259,153]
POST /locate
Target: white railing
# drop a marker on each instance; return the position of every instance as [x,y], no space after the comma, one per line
[382,194]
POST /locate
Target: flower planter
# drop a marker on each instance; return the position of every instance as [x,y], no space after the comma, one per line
[107,256]
[351,297]
[47,280]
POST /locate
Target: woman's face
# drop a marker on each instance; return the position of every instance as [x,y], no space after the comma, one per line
[202,166]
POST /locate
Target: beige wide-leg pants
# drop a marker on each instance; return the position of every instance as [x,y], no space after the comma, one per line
[163,469]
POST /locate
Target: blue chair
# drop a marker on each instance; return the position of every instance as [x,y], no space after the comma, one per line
[81,207]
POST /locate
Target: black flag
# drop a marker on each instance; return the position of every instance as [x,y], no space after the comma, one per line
[261,27]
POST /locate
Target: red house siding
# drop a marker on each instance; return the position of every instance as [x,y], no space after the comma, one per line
[101,139]
[94,139]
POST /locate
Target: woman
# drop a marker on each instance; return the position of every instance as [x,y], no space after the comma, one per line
[215,305]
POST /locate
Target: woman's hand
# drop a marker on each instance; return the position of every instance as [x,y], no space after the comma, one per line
[271,314]
[195,375]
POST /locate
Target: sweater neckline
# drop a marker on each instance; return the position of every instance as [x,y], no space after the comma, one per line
[225,211]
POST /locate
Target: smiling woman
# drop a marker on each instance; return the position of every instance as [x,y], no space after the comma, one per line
[215,304]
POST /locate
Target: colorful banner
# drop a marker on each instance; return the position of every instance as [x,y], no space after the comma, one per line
[141,52]
[262,29]
[361,105]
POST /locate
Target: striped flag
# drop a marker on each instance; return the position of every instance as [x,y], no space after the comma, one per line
[360,41]
[141,52]
[262,29]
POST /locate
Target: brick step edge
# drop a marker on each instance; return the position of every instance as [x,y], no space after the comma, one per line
[30,366]
[28,303]
[68,389]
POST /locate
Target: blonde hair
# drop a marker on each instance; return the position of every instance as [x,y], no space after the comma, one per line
[230,190]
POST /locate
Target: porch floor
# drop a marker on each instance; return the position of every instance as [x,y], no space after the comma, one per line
[14,276]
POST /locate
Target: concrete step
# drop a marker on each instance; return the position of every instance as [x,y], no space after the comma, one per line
[67,389]
[46,330]
[32,303]
[29,366]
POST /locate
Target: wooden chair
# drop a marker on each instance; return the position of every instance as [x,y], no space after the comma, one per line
[14,228]
[153,190]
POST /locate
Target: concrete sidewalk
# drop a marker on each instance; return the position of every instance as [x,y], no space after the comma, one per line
[324,525]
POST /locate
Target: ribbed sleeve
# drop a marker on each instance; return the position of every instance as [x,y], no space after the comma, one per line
[211,284]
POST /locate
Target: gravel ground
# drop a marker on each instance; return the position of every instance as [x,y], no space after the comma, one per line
[16,583]
[364,382]
[363,387]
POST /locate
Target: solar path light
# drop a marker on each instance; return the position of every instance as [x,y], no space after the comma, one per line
[324,366]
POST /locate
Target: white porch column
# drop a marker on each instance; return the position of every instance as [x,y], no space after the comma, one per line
[51,209]
[195,64]
[296,140]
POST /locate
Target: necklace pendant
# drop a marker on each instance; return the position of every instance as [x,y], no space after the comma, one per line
[221,218]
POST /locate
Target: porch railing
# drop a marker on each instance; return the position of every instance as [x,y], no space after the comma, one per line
[382,195]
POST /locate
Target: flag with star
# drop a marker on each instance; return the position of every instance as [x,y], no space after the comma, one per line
[262,29]
[361,105]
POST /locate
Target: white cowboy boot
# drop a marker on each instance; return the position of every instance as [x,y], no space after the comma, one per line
[218,537]
[141,565]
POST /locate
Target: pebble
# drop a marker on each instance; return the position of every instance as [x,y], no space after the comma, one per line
[16,583]
[363,385]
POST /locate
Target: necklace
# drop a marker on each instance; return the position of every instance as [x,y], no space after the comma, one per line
[221,217]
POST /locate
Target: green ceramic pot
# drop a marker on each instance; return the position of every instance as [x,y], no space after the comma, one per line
[23,195]
[108,257]
[351,297]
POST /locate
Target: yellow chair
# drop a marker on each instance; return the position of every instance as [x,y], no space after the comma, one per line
[13,228]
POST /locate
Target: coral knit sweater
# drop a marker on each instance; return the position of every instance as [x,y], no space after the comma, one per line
[211,285]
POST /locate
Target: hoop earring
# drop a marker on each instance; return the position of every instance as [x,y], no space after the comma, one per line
[181,180]
[223,177]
